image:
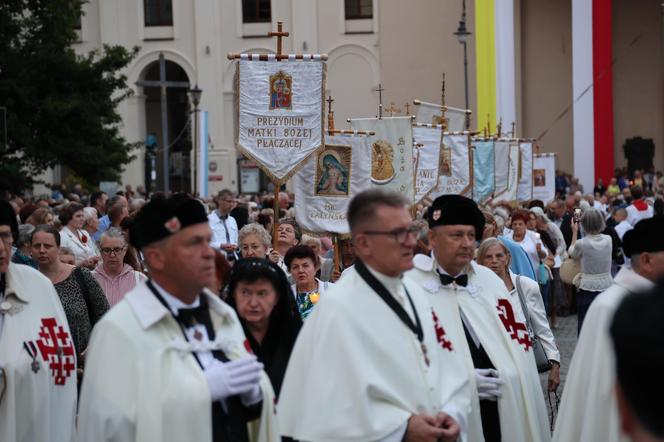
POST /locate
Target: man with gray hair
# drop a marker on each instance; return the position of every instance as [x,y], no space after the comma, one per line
[373,343]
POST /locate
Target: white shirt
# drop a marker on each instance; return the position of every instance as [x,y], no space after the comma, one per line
[529,245]
[635,215]
[623,227]
[595,254]
[222,233]
[82,251]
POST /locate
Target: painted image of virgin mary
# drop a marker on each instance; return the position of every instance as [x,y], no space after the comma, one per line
[334,179]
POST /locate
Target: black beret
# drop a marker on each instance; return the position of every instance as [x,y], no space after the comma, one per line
[8,218]
[448,210]
[646,236]
[161,218]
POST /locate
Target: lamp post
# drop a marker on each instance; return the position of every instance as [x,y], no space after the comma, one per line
[462,35]
[195,95]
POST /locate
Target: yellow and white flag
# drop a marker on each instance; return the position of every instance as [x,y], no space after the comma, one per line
[455,168]
[391,152]
[279,112]
[430,113]
[426,139]
[329,180]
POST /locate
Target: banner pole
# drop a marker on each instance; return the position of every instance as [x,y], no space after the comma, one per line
[275,221]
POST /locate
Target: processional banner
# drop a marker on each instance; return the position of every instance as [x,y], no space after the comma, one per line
[525,188]
[430,113]
[329,180]
[426,159]
[483,170]
[391,153]
[280,109]
[501,166]
[455,168]
[512,173]
[544,177]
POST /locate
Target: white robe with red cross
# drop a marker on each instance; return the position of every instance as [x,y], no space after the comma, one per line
[38,361]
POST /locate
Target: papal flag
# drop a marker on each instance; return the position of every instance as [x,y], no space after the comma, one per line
[501,166]
[279,112]
[391,152]
[430,113]
[329,180]
[455,168]
[525,188]
[483,169]
[426,159]
[512,173]
[544,177]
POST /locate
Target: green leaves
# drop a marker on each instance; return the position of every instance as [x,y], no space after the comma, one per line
[61,107]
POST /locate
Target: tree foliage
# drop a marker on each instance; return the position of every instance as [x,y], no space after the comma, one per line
[61,107]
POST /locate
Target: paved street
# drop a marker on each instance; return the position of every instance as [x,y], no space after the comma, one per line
[565,333]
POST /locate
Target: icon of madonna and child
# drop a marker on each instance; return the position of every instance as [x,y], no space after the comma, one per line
[333,171]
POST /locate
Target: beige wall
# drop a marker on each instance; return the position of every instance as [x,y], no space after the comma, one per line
[417,45]
[638,75]
[546,75]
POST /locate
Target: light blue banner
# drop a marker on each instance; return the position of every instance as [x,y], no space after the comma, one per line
[483,170]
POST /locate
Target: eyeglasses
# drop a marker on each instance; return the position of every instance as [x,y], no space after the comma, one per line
[111,250]
[400,235]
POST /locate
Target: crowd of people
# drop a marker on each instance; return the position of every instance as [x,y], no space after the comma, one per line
[138,317]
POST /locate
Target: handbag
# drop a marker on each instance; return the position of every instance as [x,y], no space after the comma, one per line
[542,274]
[541,359]
[569,269]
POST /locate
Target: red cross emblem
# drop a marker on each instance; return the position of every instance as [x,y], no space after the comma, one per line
[440,333]
[517,330]
[56,349]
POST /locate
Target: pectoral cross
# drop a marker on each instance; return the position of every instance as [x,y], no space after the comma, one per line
[330,113]
[380,100]
[280,33]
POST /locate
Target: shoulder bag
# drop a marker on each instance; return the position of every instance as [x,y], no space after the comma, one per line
[542,361]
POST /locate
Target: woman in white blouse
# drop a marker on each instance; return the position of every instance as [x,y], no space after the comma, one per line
[75,238]
[594,251]
[528,240]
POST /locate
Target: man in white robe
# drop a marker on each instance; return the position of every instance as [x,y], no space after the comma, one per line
[588,410]
[473,305]
[37,357]
[170,361]
[369,363]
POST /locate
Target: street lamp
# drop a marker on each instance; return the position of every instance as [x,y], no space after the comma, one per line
[462,35]
[195,95]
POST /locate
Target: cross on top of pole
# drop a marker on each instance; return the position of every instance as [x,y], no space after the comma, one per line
[442,91]
[380,100]
[392,109]
[407,106]
[330,113]
[280,33]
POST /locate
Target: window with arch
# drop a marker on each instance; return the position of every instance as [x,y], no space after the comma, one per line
[158,12]
[256,11]
[358,9]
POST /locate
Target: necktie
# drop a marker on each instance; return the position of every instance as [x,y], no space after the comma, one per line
[223,221]
[461,280]
[189,317]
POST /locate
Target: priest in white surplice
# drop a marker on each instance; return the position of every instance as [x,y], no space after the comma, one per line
[170,361]
[473,307]
[370,363]
[589,411]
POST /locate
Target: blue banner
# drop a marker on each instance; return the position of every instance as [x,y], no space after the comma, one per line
[483,170]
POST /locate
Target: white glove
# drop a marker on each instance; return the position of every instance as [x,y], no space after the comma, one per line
[239,376]
[488,384]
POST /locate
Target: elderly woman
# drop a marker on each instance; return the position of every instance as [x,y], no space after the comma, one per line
[83,300]
[254,241]
[114,276]
[529,241]
[23,250]
[74,237]
[289,234]
[325,265]
[493,254]
[66,256]
[302,265]
[259,292]
[91,225]
[594,251]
